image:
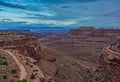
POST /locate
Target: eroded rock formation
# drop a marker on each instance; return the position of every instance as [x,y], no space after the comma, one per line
[88,32]
[48,68]
[108,69]
[28,45]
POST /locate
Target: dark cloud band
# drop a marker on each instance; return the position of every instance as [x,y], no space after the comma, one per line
[5,4]
[65,1]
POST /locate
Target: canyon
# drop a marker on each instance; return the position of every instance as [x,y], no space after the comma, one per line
[108,67]
[79,51]
[28,46]
[85,54]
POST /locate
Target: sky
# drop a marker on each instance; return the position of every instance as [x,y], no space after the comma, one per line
[59,14]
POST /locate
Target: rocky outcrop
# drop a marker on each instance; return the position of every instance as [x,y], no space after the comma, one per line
[49,69]
[44,60]
[16,42]
[33,49]
[47,57]
[28,45]
[30,49]
[92,32]
[25,44]
[108,69]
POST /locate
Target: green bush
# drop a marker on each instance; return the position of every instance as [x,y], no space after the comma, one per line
[24,80]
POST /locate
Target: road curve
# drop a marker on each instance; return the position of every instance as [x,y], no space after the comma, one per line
[114,52]
[23,72]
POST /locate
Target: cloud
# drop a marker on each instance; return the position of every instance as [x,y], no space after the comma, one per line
[115,13]
[52,22]
[83,1]
[65,6]
[65,1]
[43,13]
[45,22]
[62,13]
[5,4]
[6,20]
[1,9]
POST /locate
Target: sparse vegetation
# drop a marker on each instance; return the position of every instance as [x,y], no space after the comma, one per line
[118,46]
[5,63]
[31,66]
[35,70]
[32,76]
[24,80]
[5,77]
[8,71]
[11,80]
[27,63]
[13,71]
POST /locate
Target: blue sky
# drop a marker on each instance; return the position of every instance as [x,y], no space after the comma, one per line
[58,14]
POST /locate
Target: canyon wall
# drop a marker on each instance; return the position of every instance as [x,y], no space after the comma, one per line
[108,69]
[93,32]
[28,45]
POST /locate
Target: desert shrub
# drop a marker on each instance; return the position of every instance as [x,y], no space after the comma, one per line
[11,80]
[4,77]
[5,63]
[31,66]
[24,80]
[32,76]
[3,58]
[27,63]
[13,71]
[35,70]
[118,46]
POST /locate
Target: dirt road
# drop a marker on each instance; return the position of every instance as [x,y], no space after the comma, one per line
[23,72]
[111,51]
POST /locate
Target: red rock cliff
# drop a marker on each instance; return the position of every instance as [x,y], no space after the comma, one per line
[92,32]
[108,69]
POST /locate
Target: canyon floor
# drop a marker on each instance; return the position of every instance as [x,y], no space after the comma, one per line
[74,59]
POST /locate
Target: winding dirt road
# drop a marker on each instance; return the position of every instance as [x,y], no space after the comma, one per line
[23,72]
[111,51]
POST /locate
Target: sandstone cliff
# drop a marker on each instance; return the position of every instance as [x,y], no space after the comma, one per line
[92,32]
[108,69]
[28,45]
[44,60]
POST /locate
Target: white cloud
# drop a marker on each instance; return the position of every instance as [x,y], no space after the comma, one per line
[45,21]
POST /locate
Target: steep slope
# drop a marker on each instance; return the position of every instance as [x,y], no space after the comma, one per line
[29,46]
[108,69]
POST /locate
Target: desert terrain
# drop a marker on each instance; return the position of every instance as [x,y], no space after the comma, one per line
[77,53]
[24,60]
[85,54]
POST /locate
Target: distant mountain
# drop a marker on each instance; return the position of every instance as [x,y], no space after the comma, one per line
[45,33]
